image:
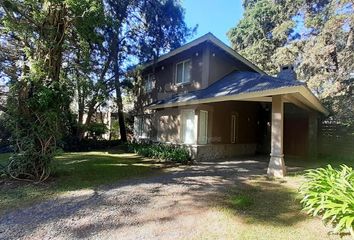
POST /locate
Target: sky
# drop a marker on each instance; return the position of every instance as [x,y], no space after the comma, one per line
[215,16]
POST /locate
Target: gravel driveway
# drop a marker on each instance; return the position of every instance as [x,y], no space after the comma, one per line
[173,205]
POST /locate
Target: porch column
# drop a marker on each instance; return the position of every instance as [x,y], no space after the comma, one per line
[276,166]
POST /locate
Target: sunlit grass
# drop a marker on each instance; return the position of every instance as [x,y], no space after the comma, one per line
[71,172]
[263,208]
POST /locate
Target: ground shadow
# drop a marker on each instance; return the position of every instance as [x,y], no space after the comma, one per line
[206,184]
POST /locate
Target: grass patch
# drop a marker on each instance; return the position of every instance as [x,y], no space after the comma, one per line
[262,208]
[241,202]
[74,171]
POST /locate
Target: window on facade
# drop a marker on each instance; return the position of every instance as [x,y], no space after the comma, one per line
[203,127]
[183,72]
[234,128]
[149,83]
[187,131]
[141,127]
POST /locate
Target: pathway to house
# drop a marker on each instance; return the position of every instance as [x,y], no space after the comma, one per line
[174,205]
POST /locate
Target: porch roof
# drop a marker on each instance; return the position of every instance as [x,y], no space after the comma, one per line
[246,86]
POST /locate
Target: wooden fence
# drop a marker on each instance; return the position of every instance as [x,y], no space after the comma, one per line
[335,139]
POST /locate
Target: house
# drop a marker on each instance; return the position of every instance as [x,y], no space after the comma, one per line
[208,97]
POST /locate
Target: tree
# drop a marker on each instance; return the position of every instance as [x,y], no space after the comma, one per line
[316,36]
[39,96]
[142,29]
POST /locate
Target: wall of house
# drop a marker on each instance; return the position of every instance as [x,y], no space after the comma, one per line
[209,64]
[167,125]
[248,127]
[222,64]
[165,74]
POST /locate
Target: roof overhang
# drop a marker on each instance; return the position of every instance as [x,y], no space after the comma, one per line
[209,37]
[299,95]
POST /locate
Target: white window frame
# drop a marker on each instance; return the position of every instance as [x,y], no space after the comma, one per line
[149,83]
[183,81]
[234,128]
[183,127]
[203,141]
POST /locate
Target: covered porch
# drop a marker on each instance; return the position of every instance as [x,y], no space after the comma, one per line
[243,115]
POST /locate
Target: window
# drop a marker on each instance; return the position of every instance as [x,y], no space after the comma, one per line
[183,72]
[203,127]
[149,83]
[234,128]
[187,131]
[141,127]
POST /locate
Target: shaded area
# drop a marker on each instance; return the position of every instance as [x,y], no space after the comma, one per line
[75,171]
[265,201]
[186,202]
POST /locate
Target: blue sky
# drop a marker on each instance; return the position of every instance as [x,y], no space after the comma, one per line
[215,16]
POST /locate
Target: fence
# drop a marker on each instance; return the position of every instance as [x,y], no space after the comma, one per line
[336,139]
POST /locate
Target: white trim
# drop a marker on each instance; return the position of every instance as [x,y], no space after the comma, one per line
[211,38]
[183,69]
[205,141]
[182,137]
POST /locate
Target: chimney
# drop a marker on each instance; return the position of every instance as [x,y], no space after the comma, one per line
[287,72]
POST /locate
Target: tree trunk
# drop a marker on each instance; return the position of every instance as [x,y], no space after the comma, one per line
[119,101]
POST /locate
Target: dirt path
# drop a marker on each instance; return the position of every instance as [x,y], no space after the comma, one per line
[170,206]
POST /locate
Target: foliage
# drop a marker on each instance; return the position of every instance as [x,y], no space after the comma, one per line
[96,130]
[161,151]
[329,192]
[59,53]
[39,97]
[316,36]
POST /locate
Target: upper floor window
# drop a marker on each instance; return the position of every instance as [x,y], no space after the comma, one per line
[149,82]
[183,72]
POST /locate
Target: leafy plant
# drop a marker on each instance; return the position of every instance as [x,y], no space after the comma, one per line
[167,152]
[329,192]
[96,130]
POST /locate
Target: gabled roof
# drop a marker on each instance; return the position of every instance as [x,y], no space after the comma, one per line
[243,86]
[209,37]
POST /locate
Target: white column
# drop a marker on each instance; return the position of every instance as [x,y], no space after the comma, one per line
[276,166]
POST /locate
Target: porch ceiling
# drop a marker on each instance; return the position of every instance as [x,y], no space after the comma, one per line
[246,86]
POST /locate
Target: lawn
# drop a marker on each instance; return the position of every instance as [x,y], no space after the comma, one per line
[261,208]
[74,171]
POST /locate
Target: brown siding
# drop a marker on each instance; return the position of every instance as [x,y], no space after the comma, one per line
[220,65]
[209,64]
[247,122]
[165,74]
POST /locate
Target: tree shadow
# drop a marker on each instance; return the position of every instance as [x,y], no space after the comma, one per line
[264,201]
[143,201]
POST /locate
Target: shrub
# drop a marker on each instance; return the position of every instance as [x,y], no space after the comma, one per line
[329,192]
[167,152]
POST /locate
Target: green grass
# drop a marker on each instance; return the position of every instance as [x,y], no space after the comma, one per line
[74,171]
[263,208]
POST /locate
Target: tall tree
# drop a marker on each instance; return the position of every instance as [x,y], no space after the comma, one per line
[39,96]
[143,29]
[316,36]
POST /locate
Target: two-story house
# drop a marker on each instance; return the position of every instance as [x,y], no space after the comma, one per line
[208,97]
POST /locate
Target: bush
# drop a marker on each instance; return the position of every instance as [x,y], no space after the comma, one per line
[96,130]
[167,152]
[74,145]
[329,193]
